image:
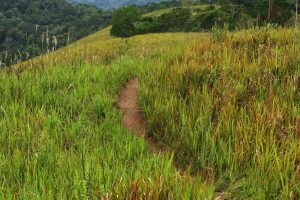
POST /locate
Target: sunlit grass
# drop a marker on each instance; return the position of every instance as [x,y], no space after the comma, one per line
[230,110]
[227,106]
[61,137]
[193,8]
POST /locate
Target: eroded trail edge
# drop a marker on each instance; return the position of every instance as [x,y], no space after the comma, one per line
[135,121]
[133,117]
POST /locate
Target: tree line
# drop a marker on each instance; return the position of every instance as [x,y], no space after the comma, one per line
[31,27]
[236,14]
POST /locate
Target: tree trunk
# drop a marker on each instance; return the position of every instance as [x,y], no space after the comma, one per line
[270,11]
[296,17]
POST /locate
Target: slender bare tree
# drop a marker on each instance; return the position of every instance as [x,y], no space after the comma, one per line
[296,17]
[270,10]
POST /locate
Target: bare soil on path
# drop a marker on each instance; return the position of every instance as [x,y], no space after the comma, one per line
[127,103]
[133,118]
[135,121]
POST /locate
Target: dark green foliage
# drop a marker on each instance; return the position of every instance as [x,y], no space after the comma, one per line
[31,27]
[128,22]
[272,11]
[113,4]
[235,14]
[147,8]
[123,21]
[281,11]
[175,21]
[207,19]
[148,25]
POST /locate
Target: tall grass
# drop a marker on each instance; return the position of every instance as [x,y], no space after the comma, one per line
[230,110]
[226,109]
[61,137]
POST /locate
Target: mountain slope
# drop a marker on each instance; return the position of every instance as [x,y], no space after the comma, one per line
[226,104]
[78,147]
[31,27]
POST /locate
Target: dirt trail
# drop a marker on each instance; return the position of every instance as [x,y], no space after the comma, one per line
[133,116]
[134,120]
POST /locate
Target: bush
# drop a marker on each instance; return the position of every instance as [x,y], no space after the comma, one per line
[176,20]
[208,19]
[219,34]
[123,21]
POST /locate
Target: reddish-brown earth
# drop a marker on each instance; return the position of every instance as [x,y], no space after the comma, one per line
[133,116]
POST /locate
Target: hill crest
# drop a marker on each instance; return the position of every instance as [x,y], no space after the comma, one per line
[110,4]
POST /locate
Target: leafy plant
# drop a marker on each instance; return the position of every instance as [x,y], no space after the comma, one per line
[219,34]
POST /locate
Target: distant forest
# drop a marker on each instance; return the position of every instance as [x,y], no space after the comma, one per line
[110,4]
[229,14]
[33,27]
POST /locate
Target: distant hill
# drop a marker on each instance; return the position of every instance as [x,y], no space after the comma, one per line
[109,4]
[31,27]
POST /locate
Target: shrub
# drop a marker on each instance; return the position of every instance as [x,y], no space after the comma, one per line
[123,21]
[176,20]
[210,18]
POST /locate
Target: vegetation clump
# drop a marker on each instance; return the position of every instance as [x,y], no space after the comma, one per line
[29,28]
[235,14]
[123,21]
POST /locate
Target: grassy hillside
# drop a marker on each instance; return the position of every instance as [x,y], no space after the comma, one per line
[224,105]
[29,28]
[112,4]
[157,13]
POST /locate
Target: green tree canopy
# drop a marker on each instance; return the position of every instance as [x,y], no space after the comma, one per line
[25,26]
[123,21]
